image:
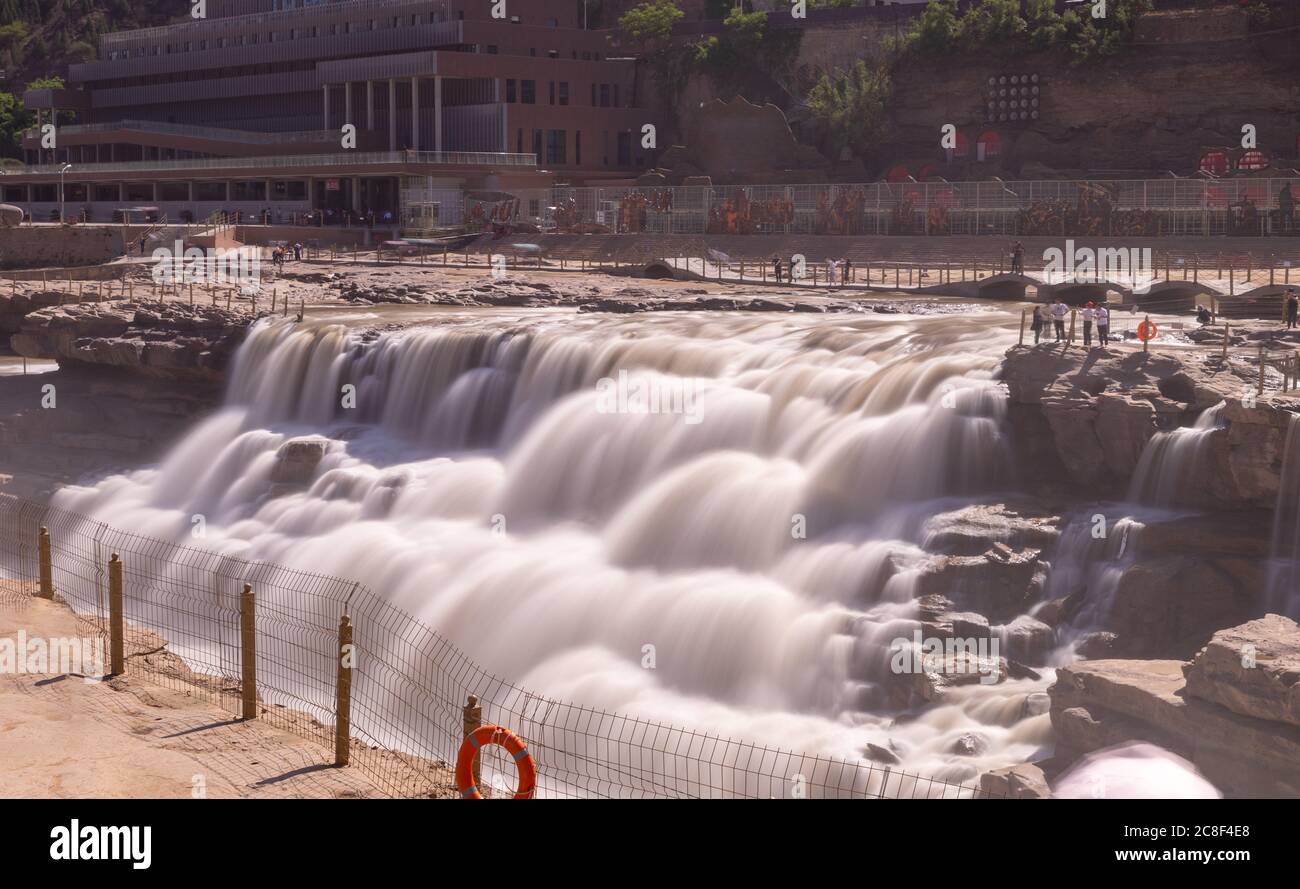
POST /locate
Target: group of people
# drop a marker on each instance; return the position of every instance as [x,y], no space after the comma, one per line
[838,271]
[1055,313]
[280,253]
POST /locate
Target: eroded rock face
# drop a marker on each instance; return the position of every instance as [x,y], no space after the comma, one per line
[1080,420]
[1252,670]
[161,340]
[1237,724]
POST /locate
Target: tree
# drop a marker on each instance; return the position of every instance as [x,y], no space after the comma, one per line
[850,106]
[650,25]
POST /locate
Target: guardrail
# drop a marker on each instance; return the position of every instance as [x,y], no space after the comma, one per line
[350,159]
[266,641]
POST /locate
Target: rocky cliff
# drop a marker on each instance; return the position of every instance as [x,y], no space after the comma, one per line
[132,377]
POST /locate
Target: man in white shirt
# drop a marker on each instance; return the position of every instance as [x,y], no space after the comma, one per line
[1102,314]
[1059,311]
[1089,313]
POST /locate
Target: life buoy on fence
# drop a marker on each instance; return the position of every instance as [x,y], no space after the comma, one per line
[495,734]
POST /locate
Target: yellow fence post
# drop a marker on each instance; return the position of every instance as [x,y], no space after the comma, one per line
[343,694]
[248,652]
[116,645]
[47,564]
[473,722]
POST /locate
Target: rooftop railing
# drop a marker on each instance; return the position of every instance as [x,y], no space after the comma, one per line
[341,159]
[224,134]
[119,37]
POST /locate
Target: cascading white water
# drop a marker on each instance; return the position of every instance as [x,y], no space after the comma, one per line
[475,477]
[1284,567]
[1172,463]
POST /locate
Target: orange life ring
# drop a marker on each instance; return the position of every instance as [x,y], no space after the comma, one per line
[495,734]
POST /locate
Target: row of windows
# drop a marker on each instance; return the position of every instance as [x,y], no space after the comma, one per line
[332,30]
[239,190]
[603,95]
[551,147]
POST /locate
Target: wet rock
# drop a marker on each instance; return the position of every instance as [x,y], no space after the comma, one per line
[1036,704]
[297,459]
[876,753]
[1101,644]
[996,584]
[1023,781]
[975,529]
[970,744]
[1098,704]
[1026,639]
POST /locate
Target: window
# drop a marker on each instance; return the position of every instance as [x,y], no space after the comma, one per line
[537,145]
[510,91]
[248,191]
[564,92]
[616,95]
[173,191]
[528,92]
[107,192]
[137,191]
[209,191]
[289,190]
[552,92]
[604,95]
[556,142]
[75,192]
[577,147]
[15,193]
[492,49]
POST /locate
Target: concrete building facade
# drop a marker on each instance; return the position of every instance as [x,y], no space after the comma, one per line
[333,109]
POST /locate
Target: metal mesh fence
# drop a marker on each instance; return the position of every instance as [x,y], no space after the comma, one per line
[181,616]
[1071,208]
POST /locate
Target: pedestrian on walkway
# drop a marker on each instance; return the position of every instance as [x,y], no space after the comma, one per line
[1292,308]
[1018,259]
[1089,314]
[776,268]
[1059,311]
[848,270]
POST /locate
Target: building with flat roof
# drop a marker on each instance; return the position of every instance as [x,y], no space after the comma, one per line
[245,110]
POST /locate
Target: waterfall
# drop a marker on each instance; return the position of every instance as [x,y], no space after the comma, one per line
[481,474]
[1171,468]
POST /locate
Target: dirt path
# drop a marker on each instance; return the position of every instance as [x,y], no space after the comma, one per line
[65,737]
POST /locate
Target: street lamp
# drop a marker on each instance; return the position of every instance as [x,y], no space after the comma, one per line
[65,168]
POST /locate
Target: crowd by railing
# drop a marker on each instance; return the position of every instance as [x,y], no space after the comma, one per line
[1067,208]
[269,642]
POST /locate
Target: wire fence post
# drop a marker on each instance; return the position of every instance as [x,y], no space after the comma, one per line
[47,564]
[473,722]
[343,694]
[248,652]
[117,655]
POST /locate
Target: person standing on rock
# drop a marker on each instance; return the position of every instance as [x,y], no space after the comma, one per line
[848,269]
[1059,311]
[1036,325]
[1089,314]
[1292,308]
[1018,259]
[1102,314]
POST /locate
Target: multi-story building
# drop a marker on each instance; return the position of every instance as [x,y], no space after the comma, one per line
[247,109]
